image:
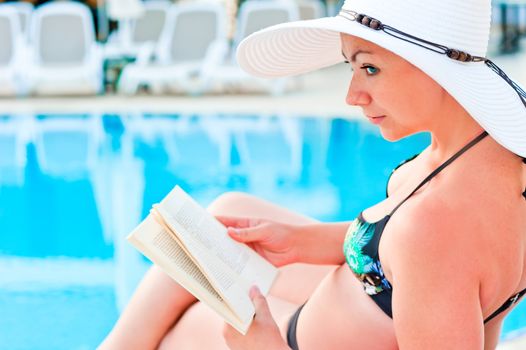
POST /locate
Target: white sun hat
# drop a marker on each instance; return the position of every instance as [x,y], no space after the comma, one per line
[446,39]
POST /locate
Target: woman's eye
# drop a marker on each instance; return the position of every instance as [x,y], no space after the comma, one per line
[370,70]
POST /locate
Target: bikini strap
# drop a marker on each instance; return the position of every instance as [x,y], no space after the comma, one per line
[442,166]
[507,304]
[395,169]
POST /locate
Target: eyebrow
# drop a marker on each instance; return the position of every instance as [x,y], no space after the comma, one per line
[353,57]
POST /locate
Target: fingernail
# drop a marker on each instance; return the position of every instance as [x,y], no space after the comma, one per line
[254,291]
[234,231]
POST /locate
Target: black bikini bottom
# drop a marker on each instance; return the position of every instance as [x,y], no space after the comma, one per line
[383,300]
[291,330]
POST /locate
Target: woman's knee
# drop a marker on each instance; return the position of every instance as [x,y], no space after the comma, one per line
[231,203]
[246,205]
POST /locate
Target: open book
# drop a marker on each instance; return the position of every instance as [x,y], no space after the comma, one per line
[193,248]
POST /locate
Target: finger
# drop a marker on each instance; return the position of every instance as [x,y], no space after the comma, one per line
[231,221]
[246,235]
[260,303]
[228,331]
[230,335]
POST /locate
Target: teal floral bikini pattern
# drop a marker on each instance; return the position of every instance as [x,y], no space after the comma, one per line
[366,268]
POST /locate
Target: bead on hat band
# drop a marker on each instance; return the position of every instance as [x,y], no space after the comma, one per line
[454,54]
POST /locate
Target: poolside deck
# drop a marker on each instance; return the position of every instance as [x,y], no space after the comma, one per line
[322,94]
[516,344]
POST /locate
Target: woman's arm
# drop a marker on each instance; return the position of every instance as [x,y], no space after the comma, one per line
[284,244]
[436,301]
[321,243]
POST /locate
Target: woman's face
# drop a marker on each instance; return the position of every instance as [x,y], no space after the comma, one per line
[393,94]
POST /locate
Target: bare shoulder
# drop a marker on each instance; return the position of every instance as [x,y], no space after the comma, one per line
[472,201]
[436,231]
[460,220]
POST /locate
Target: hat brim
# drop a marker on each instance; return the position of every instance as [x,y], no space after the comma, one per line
[299,47]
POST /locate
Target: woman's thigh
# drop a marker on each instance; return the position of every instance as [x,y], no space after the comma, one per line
[201,328]
[295,282]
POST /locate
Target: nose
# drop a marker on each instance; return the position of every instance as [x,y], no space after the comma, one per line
[356,96]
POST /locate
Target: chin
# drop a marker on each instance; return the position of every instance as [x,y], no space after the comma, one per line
[392,136]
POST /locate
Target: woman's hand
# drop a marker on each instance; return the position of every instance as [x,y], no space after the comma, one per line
[273,241]
[262,334]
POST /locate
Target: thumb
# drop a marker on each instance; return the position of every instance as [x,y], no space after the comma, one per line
[260,303]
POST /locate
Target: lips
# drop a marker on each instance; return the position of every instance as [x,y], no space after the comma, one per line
[376,120]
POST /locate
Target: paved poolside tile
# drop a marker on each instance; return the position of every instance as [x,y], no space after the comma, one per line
[517,344]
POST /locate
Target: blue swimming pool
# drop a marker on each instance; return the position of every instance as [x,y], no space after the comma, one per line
[72,186]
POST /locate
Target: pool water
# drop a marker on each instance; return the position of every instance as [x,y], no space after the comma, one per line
[73,186]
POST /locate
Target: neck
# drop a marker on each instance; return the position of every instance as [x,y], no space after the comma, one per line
[454,129]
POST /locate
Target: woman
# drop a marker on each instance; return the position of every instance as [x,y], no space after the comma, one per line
[437,264]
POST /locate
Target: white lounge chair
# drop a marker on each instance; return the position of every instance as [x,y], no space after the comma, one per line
[15,134]
[24,10]
[66,60]
[11,53]
[67,146]
[119,10]
[311,9]
[132,35]
[149,26]
[194,36]
[253,16]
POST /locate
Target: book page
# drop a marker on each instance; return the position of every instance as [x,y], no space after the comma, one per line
[232,267]
[199,225]
[223,277]
[158,245]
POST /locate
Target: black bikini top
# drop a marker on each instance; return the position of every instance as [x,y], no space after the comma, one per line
[361,247]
